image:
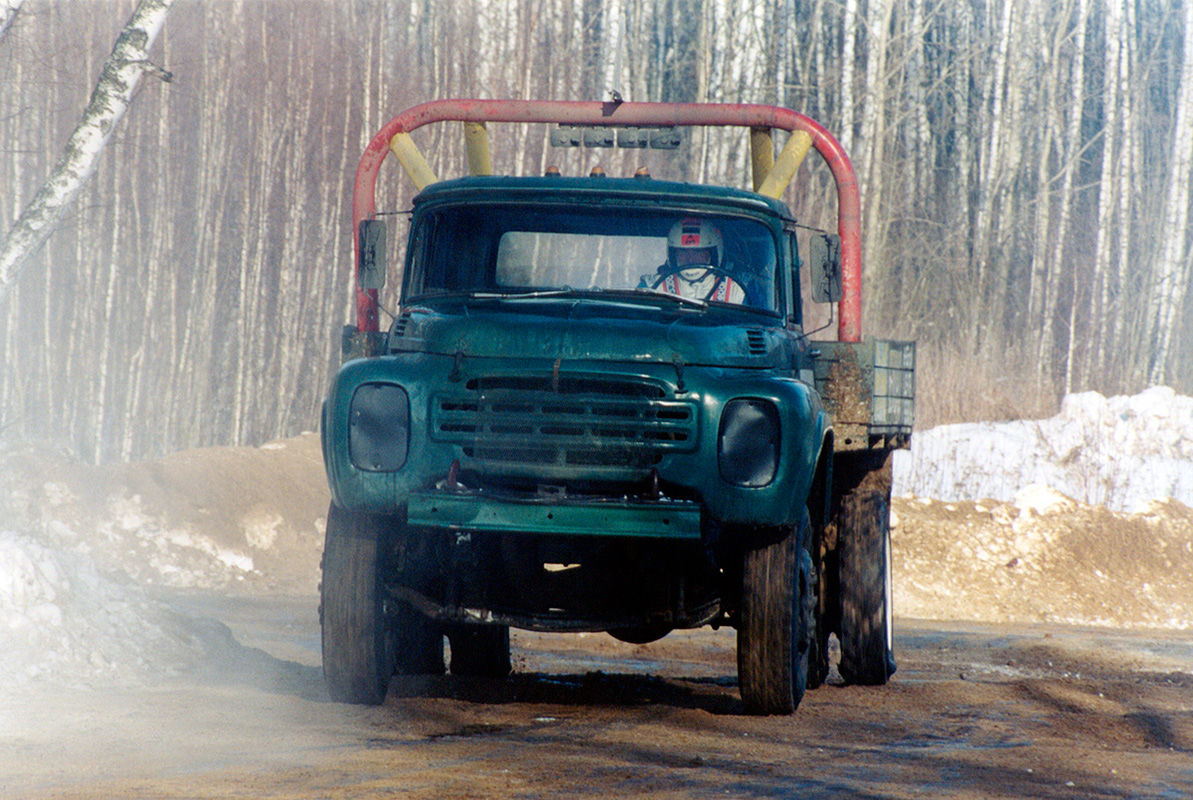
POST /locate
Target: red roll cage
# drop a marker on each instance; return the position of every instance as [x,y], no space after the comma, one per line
[770,175]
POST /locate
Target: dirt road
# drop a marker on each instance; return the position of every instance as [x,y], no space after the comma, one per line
[975,711]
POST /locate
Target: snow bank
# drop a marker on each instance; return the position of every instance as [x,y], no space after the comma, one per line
[1122,452]
[61,620]
[82,548]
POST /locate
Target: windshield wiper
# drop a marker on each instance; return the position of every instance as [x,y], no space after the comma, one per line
[650,294]
[567,291]
[532,295]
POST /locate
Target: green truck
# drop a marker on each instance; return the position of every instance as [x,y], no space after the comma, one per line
[596,408]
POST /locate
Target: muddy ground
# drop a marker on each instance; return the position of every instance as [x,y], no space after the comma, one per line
[975,711]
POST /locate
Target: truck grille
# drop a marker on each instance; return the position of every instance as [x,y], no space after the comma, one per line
[565,422]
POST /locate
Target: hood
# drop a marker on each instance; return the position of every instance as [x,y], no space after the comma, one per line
[584,329]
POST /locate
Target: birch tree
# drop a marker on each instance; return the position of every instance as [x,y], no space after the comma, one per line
[1052,266]
[8,13]
[113,94]
[991,162]
[846,108]
[1109,188]
[1173,269]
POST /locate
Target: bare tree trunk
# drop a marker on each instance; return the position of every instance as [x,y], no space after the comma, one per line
[1100,310]
[820,57]
[1172,267]
[990,167]
[964,168]
[11,172]
[8,13]
[109,102]
[1051,115]
[874,115]
[221,43]
[103,361]
[1127,173]
[157,332]
[1071,155]
[702,91]
[918,80]
[848,40]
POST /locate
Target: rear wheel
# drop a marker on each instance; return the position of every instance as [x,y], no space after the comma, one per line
[358,645]
[774,631]
[419,641]
[867,655]
[480,650]
[817,633]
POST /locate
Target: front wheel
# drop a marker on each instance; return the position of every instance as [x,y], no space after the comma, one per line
[867,654]
[358,645]
[774,631]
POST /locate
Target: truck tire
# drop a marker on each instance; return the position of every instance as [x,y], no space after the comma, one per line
[818,667]
[481,651]
[358,643]
[867,656]
[773,632]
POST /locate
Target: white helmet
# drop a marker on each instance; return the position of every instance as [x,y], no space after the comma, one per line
[694,233]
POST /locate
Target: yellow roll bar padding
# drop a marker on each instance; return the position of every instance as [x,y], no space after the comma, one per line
[762,154]
[476,139]
[412,160]
[788,162]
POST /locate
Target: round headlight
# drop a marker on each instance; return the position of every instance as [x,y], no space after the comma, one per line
[748,442]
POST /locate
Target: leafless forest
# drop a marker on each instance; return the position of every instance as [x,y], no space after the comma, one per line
[1025,172]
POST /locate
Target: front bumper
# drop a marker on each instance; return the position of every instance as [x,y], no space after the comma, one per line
[666,519]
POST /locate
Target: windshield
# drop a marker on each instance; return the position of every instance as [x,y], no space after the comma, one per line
[516,250]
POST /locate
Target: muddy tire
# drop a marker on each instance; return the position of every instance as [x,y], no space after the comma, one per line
[358,645]
[817,635]
[773,634]
[481,651]
[867,657]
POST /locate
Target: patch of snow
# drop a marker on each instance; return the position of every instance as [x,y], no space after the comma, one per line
[1122,452]
[173,556]
[1041,500]
[62,620]
[261,528]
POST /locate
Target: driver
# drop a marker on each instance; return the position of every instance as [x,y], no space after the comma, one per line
[694,267]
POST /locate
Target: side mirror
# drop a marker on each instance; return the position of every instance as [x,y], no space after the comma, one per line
[824,265]
[370,266]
